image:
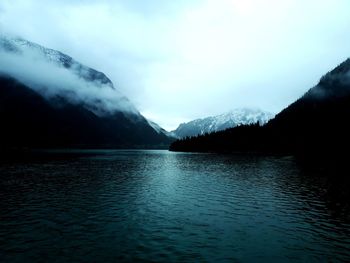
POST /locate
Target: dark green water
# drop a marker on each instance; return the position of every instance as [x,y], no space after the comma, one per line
[112,206]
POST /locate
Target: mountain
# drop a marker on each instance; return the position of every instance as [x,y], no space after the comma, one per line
[314,128]
[316,124]
[20,46]
[221,122]
[48,99]
[160,130]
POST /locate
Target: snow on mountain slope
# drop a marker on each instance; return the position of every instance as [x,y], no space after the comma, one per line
[62,80]
[160,130]
[222,122]
[56,75]
[19,45]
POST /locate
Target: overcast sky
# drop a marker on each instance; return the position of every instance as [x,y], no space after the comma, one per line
[177,60]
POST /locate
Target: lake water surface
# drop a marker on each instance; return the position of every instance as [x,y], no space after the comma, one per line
[112,206]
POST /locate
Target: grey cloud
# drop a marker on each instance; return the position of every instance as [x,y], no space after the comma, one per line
[186,59]
[32,67]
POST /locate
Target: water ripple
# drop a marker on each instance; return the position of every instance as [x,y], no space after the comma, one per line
[159,206]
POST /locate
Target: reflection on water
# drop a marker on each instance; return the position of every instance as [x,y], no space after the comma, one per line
[161,206]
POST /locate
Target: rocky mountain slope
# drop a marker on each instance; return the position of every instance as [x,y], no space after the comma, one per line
[48,99]
[221,122]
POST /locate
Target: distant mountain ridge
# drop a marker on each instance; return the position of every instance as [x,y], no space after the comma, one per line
[242,116]
[47,99]
[314,128]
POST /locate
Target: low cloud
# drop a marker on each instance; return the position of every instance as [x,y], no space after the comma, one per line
[44,73]
[186,59]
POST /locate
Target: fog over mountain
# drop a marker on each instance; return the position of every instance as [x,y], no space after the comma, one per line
[52,74]
[50,100]
[180,60]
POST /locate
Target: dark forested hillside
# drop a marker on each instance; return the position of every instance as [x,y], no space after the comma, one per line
[29,120]
[315,126]
[48,99]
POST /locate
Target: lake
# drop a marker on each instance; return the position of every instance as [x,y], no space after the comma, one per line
[134,205]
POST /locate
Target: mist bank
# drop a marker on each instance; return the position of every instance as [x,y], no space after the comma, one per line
[56,75]
[49,100]
[29,121]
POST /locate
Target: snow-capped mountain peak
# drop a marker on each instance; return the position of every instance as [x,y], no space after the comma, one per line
[223,121]
[59,77]
[22,46]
